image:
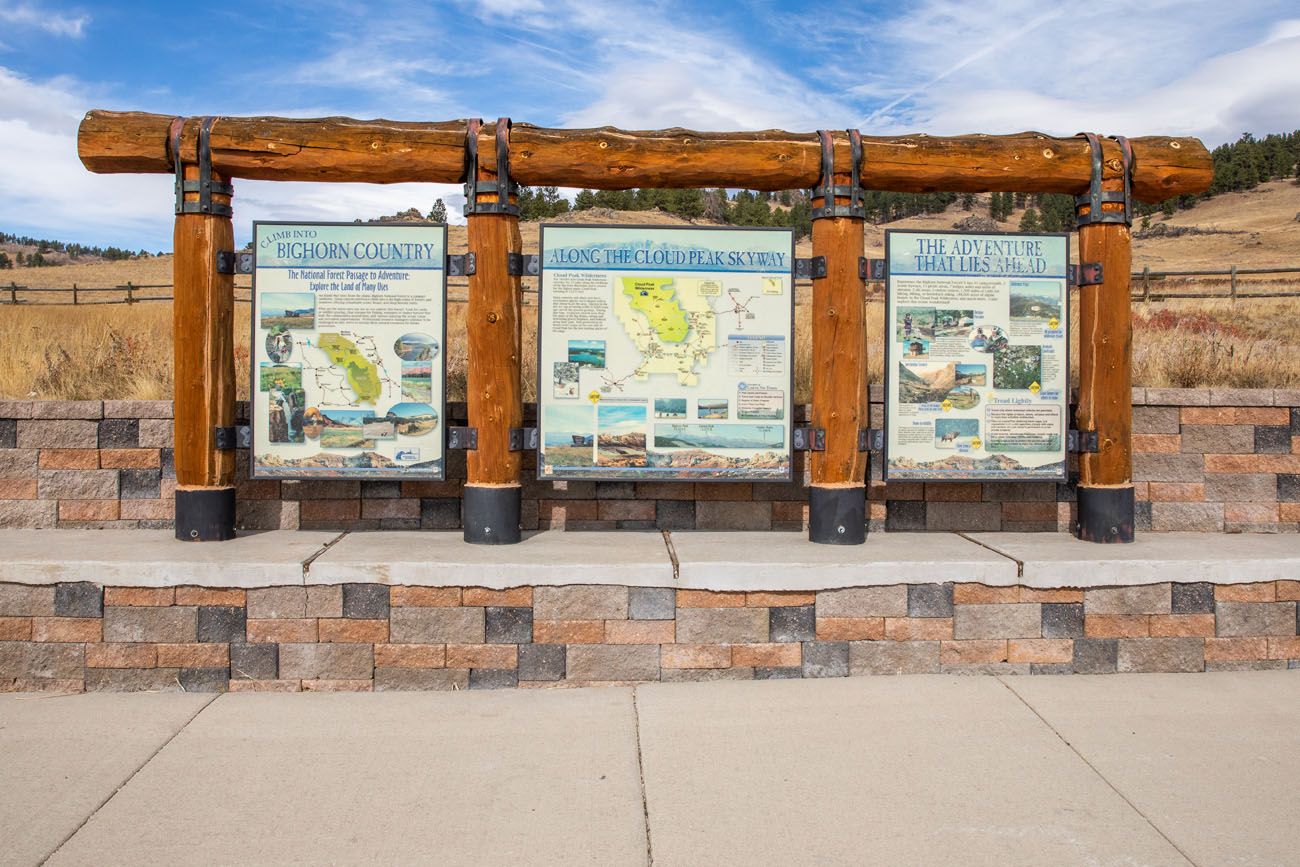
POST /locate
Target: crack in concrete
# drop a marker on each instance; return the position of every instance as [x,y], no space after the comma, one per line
[1097,771]
[102,804]
[640,769]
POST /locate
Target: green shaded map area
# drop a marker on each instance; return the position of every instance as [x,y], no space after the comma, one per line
[361,373]
[656,299]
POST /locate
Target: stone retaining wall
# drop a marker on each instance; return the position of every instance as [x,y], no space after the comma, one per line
[1205,459]
[76,636]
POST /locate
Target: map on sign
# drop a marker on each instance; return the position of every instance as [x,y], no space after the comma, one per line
[665,353]
[347,347]
[354,373]
[977,356]
[671,325]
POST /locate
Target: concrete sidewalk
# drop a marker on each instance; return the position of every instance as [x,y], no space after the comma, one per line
[1123,769]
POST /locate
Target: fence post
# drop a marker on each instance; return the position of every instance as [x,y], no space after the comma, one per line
[837,496]
[1234,282]
[74,294]
[493,395]
[13,292]
[130,293]
[1146,282]
[204,352]
[1105,491]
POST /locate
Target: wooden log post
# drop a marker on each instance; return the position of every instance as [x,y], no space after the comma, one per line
[1105,491]
[493,393]
[204,353]
[837,496]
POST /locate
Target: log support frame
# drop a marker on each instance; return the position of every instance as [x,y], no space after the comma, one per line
[380,151]
[1106,507]
[837,495]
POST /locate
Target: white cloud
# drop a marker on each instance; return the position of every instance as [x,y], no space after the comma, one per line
[1130,67]
[45,190]
[29,16]
[1256,89]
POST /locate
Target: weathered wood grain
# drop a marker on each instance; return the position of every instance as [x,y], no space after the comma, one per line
[1105,354]
[839,350]
[383,151]
[203,348]
[493,391]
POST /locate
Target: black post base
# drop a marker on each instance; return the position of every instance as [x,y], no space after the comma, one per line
[1105,514]
[205,514]
[837,516]
[491,515]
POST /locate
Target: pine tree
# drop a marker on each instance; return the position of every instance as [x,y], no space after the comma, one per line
[5,261]
[438,213]
[1029,222]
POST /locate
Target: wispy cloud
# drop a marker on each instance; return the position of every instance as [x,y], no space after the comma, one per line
[31,16]
[996,45]
[45,190]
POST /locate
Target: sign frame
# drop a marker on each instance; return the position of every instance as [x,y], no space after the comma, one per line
[611,474]
[357,474]
[890,373]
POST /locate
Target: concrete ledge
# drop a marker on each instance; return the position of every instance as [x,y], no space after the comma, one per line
[154,558]
[788,561]
[689,560]
[1055,559]
[445,559]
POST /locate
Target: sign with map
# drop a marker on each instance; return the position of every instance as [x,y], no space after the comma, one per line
[347,352]
[665,353]
[977,364]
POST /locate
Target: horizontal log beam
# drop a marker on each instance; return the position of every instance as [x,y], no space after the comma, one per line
[385,152]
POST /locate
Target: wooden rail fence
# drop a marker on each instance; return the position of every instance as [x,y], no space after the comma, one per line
[1149,284]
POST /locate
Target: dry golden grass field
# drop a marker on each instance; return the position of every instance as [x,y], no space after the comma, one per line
[124,351]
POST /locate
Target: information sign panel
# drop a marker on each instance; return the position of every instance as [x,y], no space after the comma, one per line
[665,353]
[977,356]
[348,367]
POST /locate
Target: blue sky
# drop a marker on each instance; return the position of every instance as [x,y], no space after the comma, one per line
[1199,67]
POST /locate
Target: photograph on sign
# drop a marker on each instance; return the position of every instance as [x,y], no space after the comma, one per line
[348,350]
[665,353]
[976,356]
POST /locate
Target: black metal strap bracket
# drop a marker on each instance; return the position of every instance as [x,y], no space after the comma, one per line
[204,186]
[1096,196]
[1082,442]
[460,265]
[462,438]
[225,261]
[871,439]
[827,190]
[808,439]
[523,439]
[1086,274]
[872,269]
[810,269]
[502,188]
[521,265]
[236,437]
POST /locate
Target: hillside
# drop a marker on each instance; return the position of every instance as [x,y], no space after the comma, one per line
[120,351]
[1253,229]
